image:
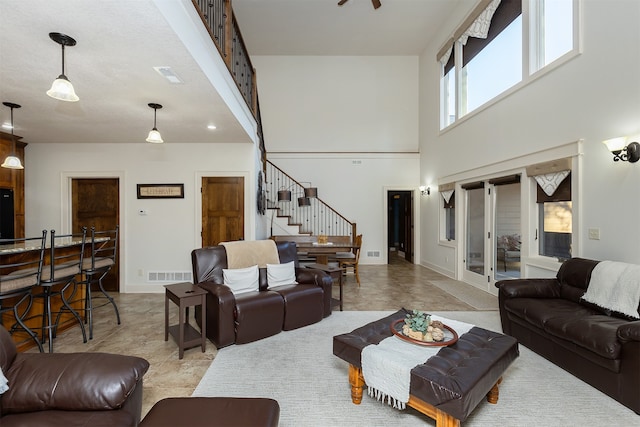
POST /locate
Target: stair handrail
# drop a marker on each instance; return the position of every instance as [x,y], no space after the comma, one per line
[316,219]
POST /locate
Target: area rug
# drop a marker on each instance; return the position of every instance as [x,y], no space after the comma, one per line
[299,370]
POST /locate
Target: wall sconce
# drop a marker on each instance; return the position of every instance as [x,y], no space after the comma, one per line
[154,135]
[62,88]
[12,161]
[425,191]
[629,153]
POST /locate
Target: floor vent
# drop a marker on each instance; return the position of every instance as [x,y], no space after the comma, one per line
[169,276]
[373,254]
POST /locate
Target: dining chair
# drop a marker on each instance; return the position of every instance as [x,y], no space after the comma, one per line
[104,250]
[66,254]
[18,276]
[346,261]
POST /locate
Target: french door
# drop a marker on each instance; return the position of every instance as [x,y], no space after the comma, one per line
[492,238]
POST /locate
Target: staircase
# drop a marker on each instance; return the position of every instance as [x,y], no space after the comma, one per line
[290,218]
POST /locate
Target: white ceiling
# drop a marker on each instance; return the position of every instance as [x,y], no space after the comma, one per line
[120,41]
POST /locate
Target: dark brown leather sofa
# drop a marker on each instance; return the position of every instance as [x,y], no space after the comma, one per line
[596,345]
[255,315]
[70,389]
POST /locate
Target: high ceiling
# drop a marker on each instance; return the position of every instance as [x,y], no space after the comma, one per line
[120,41]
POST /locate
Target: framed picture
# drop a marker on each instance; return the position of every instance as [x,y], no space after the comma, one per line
[160,191]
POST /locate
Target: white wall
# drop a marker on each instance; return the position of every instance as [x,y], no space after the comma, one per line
[357,191]
[338,104]
[593,97]
[163,239]
[349,125]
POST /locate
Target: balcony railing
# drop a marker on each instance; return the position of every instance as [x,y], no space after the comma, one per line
[217,15]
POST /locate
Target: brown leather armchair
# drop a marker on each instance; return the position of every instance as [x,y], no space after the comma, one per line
[72,389]
[258,314]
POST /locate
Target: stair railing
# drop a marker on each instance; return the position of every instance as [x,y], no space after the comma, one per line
[315,219]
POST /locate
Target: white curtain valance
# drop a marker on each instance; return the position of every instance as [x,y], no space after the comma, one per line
[446,55]
[446,195]
[549,182]
[479,28]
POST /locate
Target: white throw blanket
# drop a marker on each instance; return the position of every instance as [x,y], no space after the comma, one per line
[4,384]
[386,367]
[615,286]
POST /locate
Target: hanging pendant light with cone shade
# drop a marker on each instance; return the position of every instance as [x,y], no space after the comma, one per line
[154,135]
[62,88]
[12,161]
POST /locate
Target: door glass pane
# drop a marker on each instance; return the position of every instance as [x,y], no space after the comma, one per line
[475,231]
[507,240]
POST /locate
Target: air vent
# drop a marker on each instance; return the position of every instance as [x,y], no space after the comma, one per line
[168,74]
[169,276]
[373,254]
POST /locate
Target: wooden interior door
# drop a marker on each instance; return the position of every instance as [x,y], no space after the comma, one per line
[96,203]
[222,210]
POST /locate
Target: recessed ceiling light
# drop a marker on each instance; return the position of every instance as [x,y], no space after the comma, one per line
[211,127]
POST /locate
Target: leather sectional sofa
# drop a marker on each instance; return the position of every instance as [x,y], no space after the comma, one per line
[72,389]
[258,314]
[599,346]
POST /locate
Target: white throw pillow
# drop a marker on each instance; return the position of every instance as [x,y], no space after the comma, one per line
[242,280]
[281,274]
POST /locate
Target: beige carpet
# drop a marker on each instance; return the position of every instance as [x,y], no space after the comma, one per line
[299,370]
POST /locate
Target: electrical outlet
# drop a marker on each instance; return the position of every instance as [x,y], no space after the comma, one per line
[594,234]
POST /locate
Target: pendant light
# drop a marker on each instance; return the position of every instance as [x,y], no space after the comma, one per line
[154,135]
[62,88]
[12,161]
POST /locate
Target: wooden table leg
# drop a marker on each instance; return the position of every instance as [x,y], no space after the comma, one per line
[442,418]
[357,384]
[492,396]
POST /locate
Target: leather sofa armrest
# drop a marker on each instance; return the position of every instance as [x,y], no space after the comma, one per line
[319,278]
[220,315]
[310,276]
[71,381]
[529,288]
[629,331]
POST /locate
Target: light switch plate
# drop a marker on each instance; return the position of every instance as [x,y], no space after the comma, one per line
[594,234]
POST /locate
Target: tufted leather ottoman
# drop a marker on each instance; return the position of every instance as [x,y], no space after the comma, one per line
[213,411]
[449,385]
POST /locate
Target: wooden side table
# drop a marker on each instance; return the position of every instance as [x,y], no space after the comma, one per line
[336,276]
[185,295]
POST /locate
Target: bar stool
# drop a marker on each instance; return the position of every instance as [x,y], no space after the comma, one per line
[18,277]
[104,249]
[66,257]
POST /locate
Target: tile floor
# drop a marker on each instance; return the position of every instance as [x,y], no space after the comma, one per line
[383,287]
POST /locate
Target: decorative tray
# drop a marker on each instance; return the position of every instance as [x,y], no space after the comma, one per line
[450,336]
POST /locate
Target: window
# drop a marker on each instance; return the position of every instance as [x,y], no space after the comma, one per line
[448,216]
[491,47]
[555,229]
[501,60]
[449,100]
[555,215]
[554,31]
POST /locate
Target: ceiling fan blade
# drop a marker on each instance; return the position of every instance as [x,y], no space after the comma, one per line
[341,2]
[376,3]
